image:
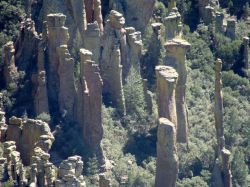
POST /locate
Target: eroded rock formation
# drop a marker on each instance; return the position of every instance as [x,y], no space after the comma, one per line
[218,109]
[94,13]
[219,22]
[209,15]
[61,65]
[3,125]
[176,50]
[70,173]
[231,28]
[66,84]
[173,24]
[112,59]
[26,133]
[26,45]
[203,4]
[135,18]
[134,51]
[167,160]
[166,85]
[92,104]
[222,152]
[12,162]
[152,56]
[246,53]
[10,72]
[40,82]
[92,41]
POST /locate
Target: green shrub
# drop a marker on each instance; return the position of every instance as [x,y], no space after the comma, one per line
[134,96]
[44,117]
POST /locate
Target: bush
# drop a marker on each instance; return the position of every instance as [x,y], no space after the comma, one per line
[239,168]
[134,95]
[227,50]
[44,117]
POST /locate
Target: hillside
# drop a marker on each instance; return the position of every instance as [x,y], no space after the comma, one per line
[133,93]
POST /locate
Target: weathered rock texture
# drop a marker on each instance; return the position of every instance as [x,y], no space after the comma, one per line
[26,133]
[70,173]
[13,162]
[3,125]
[173,24]
[209,15]
[166,85]
[176,50]
[61,66]
[93,41]
[94,13]
[218,114]
[112,58]
[219,22]
[42,172]
[171,5]
[218,108]
[92,103]
[66,84]
[26,45]
[246,53]
[40,84]
[10,72]
[135,18]
[202,4]
[167,160]
[134,51]
[231,28]
[75,13]
[226,169]
[153,55]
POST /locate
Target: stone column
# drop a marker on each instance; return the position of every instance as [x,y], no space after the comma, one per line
[92,105]
[167,160]
[134,50]
[79,14]
[172,24]
[94,13]
[57,36]
[85,55]
[98,15]
[92,41]
[201,5]
[66,81]
[209,15]
[231,28]
[219,22]
[218,108]
[40,83]
[226,170]
[70,173]
[176,50]
[166,85]
[246,53]
[171,5]
[113,55]
[115,81]
[61,65]
[9,69]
